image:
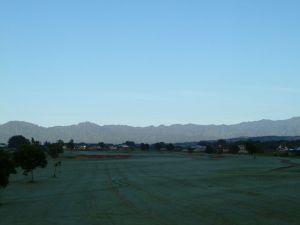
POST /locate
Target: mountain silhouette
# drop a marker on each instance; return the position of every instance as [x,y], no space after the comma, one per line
[93,133]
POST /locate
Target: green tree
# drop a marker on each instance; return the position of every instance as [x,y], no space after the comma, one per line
[251,148]
[170,147]
[60,142]
[130,144]
[158,146]
[190,149]
[221,142]
[144,147]
[17,141]
[29,157]
[7,167]
[102,145]
[234,148]
[70,144]
[54,150]
[209,149]
[34,142]
[46,143]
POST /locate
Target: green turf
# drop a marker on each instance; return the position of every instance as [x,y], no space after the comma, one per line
[157,189]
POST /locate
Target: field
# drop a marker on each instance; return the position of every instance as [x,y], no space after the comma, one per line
[157,189]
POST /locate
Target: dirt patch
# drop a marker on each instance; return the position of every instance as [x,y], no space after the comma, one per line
[216,157]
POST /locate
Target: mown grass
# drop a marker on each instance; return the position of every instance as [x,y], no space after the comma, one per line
[157,189]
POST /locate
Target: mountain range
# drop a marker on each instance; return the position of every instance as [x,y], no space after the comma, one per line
[92,133]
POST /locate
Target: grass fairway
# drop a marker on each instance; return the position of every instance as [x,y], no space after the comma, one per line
[157,189]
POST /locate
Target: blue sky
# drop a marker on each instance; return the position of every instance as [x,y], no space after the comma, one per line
[149,62]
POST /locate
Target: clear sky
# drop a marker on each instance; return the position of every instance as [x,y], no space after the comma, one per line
[149,62]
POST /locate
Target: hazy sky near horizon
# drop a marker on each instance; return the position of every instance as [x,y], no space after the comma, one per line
[149,62]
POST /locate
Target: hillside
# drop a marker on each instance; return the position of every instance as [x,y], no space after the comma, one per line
[93,133]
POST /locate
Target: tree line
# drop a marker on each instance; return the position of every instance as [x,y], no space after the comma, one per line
[27,155]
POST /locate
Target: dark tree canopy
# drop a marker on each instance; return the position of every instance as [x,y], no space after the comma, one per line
[29,157]
[34,142]
[60,142]
[46,143]
[102,144]
[159,145]
[130,144]
[233,148]
[70,144]
[54,150]
[170,147]
[209,149]
[17,141]
[204,143]
[221,142]
[144,146]
[251,148]
[6,168]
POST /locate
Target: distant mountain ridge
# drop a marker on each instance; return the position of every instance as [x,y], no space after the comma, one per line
[93,133]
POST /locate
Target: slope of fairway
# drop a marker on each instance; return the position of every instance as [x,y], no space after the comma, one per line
[157,189]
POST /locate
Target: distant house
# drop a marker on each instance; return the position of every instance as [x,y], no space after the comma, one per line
[222,149]
[294,151]
[123,147]
[199,148]
[242,149]
[93,147]
[282,149]
[87,147]
[225,150]
[80,147]
[112,147]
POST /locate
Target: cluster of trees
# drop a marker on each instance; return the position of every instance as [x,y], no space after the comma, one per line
[143,146]
[219,146]
[27,155]
[231,147]
[157,146]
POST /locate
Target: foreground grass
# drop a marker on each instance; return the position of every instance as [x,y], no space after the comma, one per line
[162,189]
